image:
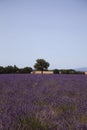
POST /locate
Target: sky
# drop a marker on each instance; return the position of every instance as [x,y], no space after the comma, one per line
[54,30]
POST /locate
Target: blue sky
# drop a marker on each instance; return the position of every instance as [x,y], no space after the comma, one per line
[54,30]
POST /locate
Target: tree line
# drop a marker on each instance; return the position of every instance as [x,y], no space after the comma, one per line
[14,69]
[66,71]
[40,65]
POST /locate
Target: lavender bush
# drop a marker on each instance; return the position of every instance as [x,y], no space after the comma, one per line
[43,102]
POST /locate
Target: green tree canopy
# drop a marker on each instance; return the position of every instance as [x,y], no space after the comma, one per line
[41,65]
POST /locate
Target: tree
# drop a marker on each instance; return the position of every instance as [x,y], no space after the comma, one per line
[9,69]
[25,70]
[15,69]
[1,69]
[56,71]
[41,65]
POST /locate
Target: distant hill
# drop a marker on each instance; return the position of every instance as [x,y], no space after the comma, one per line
[83,69]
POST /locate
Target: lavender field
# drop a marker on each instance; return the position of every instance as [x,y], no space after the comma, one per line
[43,102]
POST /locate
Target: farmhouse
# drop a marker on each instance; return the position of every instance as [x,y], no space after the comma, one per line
[85,73]
[40,72]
